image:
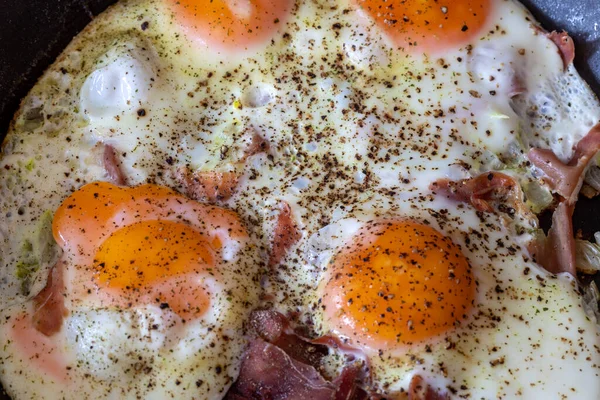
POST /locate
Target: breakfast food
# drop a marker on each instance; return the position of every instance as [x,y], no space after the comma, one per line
[301,199]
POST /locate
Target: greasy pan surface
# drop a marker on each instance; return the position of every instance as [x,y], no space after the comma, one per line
[34,32]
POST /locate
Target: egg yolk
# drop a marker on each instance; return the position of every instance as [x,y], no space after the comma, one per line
[144,244]
[232,24]
[425,26]
[397,283]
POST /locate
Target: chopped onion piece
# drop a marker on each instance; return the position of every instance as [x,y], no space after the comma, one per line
[538,196]
[591,296]
[587,256]
[592,177]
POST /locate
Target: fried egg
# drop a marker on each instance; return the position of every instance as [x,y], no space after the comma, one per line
[444,296]
[153,293]
[184,162]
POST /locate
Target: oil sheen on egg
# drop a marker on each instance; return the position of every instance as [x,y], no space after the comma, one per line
[355,120]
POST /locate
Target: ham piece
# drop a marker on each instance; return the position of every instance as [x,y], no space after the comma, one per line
[420,390]
[566,179]
[280,364]
[257,145]
[285,235]
[112,167]
[556,253]
[481,191]
[274,328]
[213,186]
[207,186]
[267,372]
[49,307]
[559,251]
[565,45]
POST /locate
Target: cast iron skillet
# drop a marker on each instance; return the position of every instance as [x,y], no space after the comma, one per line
[34,32]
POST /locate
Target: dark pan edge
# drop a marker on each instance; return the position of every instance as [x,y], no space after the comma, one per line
[32,36]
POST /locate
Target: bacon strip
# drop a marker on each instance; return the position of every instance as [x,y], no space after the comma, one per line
[112,167]
[286,234]
[481,190]
[562,178]
[209,186]
[566,179]
[420,390]
[49,307]
[565,46]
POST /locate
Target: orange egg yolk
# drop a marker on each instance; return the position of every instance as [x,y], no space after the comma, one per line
[425,26]
[397,283]
[144,244]
[232,24]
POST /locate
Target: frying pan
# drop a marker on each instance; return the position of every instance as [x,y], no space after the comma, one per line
[34,32]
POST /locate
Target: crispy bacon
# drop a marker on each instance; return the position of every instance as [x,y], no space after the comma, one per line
[112,166]
[207,186]
[285,235]
[420,390]
[481,190]
[565,46]
[566,179]
[49,307]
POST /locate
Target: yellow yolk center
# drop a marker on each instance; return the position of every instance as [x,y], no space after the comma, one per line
[144,256]
[145,244]
[424,26]
[234,24]
[142,253]
[397,283]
